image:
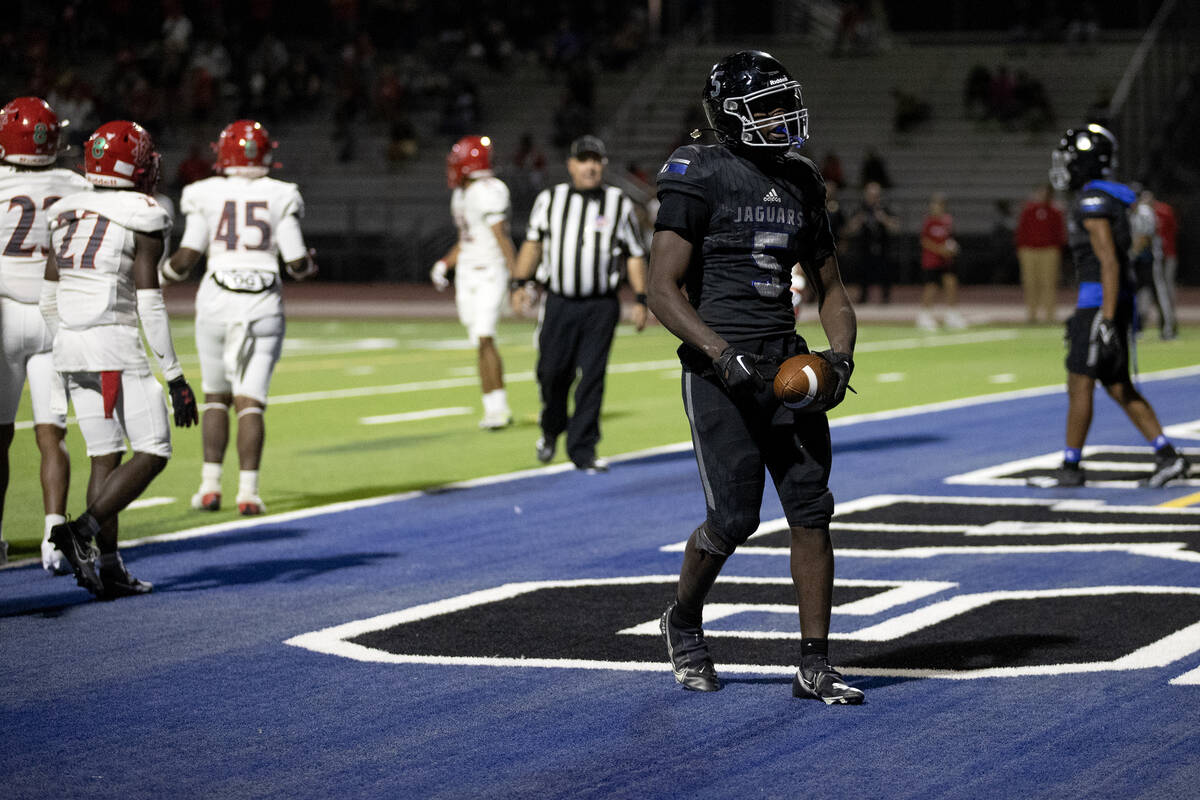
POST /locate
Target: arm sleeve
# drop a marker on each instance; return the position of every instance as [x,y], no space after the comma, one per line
[630,231]
[685,214]
[48,304]
[539,217]
[289,239]
[152,311]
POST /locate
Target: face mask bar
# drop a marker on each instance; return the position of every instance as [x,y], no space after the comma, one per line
[789,129]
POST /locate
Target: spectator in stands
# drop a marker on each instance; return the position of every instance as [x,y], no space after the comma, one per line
[977,93]
[1040,236]
[874,170]
[529,160]
[909,110]
[195,167]
[1002,102]
[872,226]
[1032,104]
[831,169]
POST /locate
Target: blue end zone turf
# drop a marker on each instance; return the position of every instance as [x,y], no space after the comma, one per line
[500,640]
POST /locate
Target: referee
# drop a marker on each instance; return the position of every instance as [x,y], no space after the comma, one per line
[579,234]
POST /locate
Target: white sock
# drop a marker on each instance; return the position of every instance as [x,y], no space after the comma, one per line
[248,483]
[495,402]
[51,521]
[210,477]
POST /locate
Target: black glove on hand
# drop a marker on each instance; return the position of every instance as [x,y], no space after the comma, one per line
[843,365]
[737,370]
[183,402]
[1106,339]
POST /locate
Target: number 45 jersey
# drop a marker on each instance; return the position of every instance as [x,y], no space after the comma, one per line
[245,225]
[92,234]
[749,221]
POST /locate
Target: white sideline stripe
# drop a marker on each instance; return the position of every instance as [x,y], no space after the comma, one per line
[993,475]
[678,447]
[413,416]
[1191,678]
[149,502]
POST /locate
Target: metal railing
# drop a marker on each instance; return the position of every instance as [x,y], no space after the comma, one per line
[1151,88]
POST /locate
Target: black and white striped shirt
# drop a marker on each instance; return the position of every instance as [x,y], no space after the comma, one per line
[583,236]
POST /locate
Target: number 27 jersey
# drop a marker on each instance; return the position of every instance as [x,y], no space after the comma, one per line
[236,220]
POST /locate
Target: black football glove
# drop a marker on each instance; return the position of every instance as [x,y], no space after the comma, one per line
[1106,340]
[183,403]
[843,365]
[737,369]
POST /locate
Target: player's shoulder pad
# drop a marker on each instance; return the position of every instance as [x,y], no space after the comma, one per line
[490,191]
[803,172]
[145,214]
[1104,198]
[689,168]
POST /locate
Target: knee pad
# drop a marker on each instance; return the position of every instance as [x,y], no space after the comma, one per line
[710,540]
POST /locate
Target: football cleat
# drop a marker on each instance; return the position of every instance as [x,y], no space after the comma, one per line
[250,505]
[1069,475]
[494,421]
[545,450]
[1168,467]
[53,560]
[926,321]
[820,681]
[80,553]
[206,501]
[688,653]
[955,321]
[119,583]
[593,465]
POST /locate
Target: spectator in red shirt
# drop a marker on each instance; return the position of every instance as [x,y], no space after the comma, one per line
[1040,236]
[938,252]
[1166,266]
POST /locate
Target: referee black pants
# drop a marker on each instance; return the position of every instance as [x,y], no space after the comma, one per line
[575,337]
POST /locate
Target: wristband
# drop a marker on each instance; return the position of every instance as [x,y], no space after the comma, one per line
[640,297]
[518,283]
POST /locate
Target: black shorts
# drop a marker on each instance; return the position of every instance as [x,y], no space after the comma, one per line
[1083,354]
[738,442]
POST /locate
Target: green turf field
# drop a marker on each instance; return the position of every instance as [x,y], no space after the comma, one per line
[361,408]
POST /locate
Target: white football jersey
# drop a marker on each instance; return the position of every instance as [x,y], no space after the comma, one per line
[476,208]
[24,235]
[235,219]
[92,234]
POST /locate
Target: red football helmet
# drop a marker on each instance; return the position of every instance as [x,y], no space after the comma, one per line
[121,155]
[471,157]
[29,132]
[245,149]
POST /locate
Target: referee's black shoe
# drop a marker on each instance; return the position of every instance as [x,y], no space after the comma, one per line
[817,680]
[79,551]
[688,654]
[544,448]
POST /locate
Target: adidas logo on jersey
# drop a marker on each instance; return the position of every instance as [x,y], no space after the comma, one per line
[772,196]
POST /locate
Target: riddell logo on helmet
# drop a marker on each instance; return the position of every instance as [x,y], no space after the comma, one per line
[775,81]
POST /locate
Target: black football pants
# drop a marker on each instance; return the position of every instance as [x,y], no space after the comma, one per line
[575,337]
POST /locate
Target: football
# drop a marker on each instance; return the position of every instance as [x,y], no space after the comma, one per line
[804,378]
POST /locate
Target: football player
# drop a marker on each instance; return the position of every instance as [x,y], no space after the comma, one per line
[733,218]
[482,260]
[1098,333]
[101,280]
[29,184]
[246,221]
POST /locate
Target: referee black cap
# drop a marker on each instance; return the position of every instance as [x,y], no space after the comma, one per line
[588,145]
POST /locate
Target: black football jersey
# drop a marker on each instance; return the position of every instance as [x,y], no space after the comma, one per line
[1106,200]
[760,217]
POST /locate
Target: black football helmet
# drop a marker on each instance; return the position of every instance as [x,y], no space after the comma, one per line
[1083,155]
[752,101]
